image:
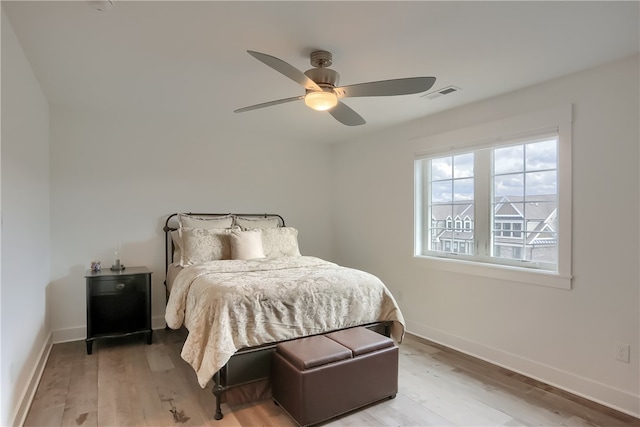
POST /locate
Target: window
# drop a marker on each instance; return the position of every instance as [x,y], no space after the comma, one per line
[467,223]
[505,195]
[517,252]
[523,195]
[517,229]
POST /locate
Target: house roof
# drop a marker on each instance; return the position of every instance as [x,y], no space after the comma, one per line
[538,207]
[541,207]
[540,215]
[442,212]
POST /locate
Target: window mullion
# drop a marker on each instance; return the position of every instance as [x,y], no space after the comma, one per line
[482,202]
[423,210]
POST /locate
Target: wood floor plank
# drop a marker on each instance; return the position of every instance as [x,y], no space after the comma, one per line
[493,387]
[262,413]
[403,411]
[533,402]
[157,358]
[202,396]
[456,404]
[577,422]
[177,398]
[83,382]
[578,413]
[45,416]
[128,383]
[116,404]
[355,419]
[150,404]
[81,406]
[78,415]
[54,384]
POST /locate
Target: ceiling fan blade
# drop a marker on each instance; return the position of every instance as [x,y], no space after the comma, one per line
[345,115]
[387,87]
[268,104]
[287,69]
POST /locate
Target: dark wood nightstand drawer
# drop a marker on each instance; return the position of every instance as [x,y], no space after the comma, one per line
[117,285]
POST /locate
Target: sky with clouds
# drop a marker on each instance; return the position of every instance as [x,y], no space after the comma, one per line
[520,170]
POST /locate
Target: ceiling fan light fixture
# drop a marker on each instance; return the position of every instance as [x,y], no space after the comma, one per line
[321,101]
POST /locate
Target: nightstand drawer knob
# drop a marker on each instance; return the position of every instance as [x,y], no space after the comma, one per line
[120,286]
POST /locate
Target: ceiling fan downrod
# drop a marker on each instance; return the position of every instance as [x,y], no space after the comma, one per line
[321,58]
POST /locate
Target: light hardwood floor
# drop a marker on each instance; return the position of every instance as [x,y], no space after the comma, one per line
[128,383]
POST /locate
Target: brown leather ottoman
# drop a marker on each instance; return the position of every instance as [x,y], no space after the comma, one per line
[320,377]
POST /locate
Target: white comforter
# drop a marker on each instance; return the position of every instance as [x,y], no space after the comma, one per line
[231,304]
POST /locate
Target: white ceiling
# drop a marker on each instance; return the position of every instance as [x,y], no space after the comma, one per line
[189,58]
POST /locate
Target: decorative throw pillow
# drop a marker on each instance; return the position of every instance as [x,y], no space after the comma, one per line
[247,223]
[191,221]
[203,244]
[177,245]
[280,242]
[246,244]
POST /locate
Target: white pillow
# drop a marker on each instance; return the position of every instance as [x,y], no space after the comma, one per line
[280,242]
[186,220]
[246,223]
[177,245]
[246,244]
[203,244]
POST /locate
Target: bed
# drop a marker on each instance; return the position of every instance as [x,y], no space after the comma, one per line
[240,285]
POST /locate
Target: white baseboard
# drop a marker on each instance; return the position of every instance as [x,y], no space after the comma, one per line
[69,334]
[603,394]
[80,332]
[29,391]
[158,322]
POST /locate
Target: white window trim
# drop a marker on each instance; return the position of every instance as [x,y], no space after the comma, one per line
[558,118]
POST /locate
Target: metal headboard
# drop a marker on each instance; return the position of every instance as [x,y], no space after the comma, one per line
[171,224]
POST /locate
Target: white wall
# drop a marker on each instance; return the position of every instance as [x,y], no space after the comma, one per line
[563,337]
[115,179]
[112,178]
[25,226]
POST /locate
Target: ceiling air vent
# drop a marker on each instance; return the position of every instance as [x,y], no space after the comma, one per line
[440,92]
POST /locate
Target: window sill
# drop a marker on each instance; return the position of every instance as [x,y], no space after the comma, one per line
[494,271]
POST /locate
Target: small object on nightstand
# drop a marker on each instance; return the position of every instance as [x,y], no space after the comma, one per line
[95,266]
[117,266]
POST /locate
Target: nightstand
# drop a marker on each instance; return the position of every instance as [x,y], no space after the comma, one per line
[118,304]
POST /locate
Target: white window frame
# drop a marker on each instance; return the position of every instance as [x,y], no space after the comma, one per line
[495,134]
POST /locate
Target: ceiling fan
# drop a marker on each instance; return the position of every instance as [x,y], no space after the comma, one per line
[322,92]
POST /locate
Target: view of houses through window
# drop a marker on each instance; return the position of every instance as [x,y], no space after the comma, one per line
[518,185]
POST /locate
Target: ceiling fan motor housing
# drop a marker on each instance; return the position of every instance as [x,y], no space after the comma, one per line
[323,76]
